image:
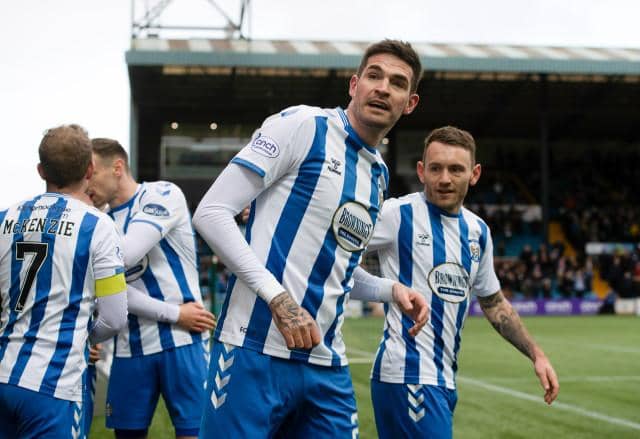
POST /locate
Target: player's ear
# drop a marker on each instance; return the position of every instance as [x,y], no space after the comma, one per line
[420,170]
[353,84]
[118,167]
[41,172]
[475,174]
[411,104]
[89,172]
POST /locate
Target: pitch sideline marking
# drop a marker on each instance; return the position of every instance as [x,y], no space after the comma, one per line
[557,404]
[528,397]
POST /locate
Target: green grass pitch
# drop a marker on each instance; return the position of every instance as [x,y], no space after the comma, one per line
[597,359]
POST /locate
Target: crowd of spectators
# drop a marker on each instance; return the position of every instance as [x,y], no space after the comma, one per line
[545,273]
[622,271]
[601,224]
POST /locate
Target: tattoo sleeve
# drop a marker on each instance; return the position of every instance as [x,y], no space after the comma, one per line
[507,322]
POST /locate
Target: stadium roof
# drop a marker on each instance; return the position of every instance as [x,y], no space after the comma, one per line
[346,55]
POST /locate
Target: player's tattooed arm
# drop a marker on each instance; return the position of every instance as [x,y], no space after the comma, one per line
[296,325]
[507,322]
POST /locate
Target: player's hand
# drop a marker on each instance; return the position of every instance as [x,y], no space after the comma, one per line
[413,304]
[94,353]
[193,317]
[294,322]
[548,378]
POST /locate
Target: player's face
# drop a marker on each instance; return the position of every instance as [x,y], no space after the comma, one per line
[382,93]
[103,185]
[447,173]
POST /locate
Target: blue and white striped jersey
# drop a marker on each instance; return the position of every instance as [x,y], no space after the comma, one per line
[446,257]
[324,188]
[168,272]
[53,248]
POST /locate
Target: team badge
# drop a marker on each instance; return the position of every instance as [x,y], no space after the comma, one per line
[450,282]
[474,249]
[352,226]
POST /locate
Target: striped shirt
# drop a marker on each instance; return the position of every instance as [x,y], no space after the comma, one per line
[324,188]
[168,272]
[447,257]
[53,249]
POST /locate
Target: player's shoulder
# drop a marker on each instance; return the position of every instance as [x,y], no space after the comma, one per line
[472,217]
[159,197]
[395,203]
[160,189]
[297,115]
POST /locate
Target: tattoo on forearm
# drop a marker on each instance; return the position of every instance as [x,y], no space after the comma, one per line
[507,322]
[491,301]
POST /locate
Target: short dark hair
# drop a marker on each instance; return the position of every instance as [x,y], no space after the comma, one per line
[110,149]
[400,49]
[451,136]
[65,154]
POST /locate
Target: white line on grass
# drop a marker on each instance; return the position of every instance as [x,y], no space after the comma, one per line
[528,397]
[558,405]
[612,348]
[361,352]
[571,379]
[597,346]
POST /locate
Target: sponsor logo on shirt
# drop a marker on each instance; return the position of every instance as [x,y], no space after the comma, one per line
[265,146]
[135,272]
[352,226]
[335,166]
[155,210]
[423,239]
[450,282]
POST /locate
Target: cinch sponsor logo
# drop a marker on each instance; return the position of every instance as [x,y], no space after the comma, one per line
[558,307]
[155,210]
[590,307]
[528,307]
[265,146]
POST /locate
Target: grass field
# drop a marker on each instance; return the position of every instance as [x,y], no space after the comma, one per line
[597,359]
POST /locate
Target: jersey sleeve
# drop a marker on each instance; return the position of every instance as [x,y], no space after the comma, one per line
[386,229]
[279,144]
[162,206]
[107,256]
[486,282]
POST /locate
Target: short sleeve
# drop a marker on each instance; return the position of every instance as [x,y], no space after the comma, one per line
[486,282]
[279,144]
[106,249]
[386,229]
[162,206]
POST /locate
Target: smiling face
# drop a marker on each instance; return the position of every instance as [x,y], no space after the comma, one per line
[446,173]
[380,95]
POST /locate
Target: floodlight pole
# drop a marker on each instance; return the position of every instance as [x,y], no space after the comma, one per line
[145,15]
